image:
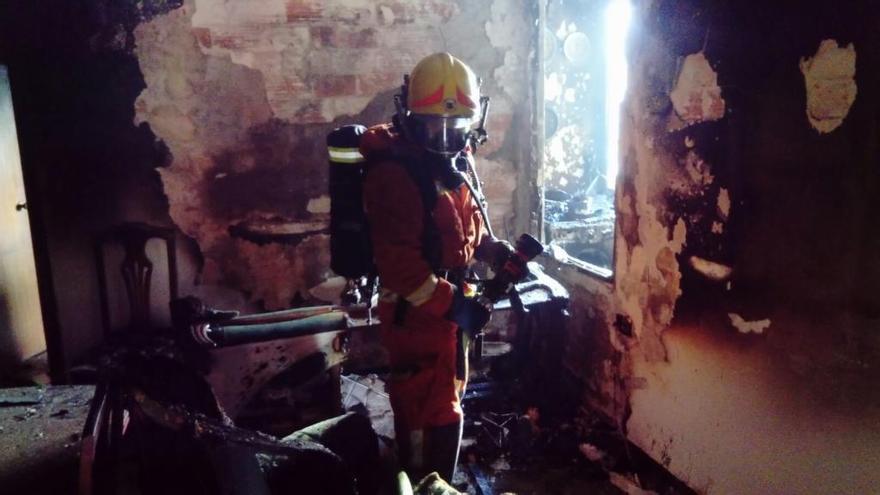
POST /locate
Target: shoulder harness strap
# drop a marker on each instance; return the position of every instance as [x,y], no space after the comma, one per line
[421,176]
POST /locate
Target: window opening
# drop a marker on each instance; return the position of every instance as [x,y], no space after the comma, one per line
[585,78]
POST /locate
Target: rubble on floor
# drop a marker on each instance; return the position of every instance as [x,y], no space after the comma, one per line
[517,453]
[40,430]
[367,395]
[509,448]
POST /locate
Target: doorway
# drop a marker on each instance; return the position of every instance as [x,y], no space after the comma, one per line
[21,322]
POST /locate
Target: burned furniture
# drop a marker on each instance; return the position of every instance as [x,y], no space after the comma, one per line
[156,427]
[142,380]
[522,374]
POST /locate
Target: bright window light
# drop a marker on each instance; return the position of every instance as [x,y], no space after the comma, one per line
[617,17]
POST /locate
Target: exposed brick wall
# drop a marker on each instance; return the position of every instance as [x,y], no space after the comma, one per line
[243,94]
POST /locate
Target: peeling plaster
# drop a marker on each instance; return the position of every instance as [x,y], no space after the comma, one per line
[183,87]
[319,205]
[505,30]
[723,364]
[697,96]
[242,94]
[351,43]
[831,87]
[648,275]
[710,269]
[743,326]
[650,236]
[723,204]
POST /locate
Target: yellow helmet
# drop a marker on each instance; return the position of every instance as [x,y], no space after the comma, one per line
[443,85]
[442,104]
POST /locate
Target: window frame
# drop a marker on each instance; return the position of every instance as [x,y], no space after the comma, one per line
[595,271]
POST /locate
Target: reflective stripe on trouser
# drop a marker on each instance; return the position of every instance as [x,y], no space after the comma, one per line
[426,394]
[431,449]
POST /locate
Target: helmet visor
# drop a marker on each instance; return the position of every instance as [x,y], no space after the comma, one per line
[443,135]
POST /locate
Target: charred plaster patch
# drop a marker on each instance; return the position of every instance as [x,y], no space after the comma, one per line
[697,96]
[285,272]
[627,215]
[831,87]
[698,170]
[499,182]
[696,175]
[257,364]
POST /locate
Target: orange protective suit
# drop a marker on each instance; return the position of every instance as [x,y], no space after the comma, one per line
[424,341]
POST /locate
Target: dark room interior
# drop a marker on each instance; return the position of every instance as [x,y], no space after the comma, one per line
[439,247]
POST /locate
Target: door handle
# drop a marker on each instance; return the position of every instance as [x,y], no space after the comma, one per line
[20,206]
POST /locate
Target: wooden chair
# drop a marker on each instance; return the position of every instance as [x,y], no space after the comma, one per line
[102,435]
[136,270]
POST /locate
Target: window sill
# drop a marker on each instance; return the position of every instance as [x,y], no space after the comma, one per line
[590,269]
[564,260]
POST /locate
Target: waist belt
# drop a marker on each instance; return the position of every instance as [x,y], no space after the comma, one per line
[455,276]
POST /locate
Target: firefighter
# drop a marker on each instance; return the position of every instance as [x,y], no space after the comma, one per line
[426,230]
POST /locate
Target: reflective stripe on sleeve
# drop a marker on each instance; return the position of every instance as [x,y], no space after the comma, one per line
[424,292]
[345,155]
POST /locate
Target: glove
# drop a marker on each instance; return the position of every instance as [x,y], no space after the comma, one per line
[467,312]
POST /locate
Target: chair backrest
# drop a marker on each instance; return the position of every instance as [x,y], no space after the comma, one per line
[136,270]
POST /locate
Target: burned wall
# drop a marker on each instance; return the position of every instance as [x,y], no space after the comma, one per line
[737,343]
[244,95]
[210,117]
[86,166]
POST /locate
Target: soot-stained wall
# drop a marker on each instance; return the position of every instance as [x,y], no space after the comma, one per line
[86,165]
[243,96]
[738,344]
[210,117]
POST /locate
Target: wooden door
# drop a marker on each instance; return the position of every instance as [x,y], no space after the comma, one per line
[21,322]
